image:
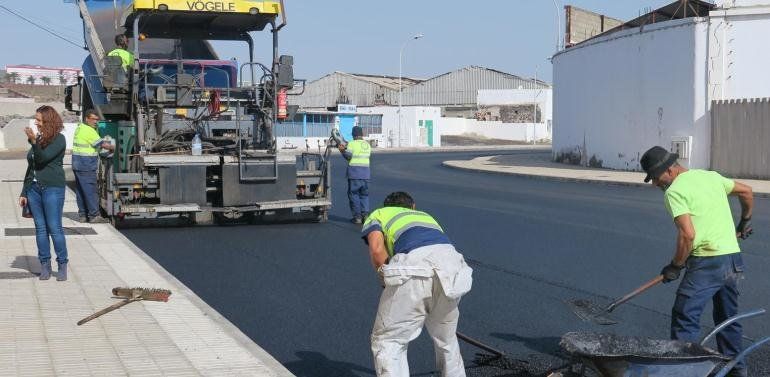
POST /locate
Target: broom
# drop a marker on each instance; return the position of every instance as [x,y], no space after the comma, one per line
[130,295]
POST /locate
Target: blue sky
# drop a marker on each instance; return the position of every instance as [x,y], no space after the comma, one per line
[357,36]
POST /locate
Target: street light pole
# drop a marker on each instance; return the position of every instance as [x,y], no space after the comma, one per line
[400,86]
[558,25]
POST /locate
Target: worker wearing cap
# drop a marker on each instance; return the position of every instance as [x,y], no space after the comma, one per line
[357,153]
[706,246]
[423,278]
[85,161]
[126,57]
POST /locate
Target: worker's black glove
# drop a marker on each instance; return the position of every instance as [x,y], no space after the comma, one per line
[671,272]
[744,228]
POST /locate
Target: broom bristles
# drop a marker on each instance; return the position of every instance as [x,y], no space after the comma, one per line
[152,294]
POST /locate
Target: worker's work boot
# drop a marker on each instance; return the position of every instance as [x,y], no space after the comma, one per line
[356,220]
[82,218]
[62,275]
[45,270]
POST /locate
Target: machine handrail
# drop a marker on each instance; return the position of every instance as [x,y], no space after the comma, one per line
[729,321]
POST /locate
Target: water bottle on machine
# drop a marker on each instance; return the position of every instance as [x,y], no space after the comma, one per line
[197,148]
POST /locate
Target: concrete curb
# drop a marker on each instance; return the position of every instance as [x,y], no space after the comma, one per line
[455,165]
[469,166]
[478,148]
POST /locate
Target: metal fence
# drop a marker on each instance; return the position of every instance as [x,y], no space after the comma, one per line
[306,125]
[371,123]
[740,137]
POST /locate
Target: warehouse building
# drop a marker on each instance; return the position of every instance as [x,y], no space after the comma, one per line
[350,88]
[456,92]
[450,103]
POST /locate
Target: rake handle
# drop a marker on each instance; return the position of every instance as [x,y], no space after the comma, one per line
[108,309]
[636,292]
[477,343]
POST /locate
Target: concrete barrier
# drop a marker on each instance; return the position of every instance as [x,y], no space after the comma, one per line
[27,109]
[13,137]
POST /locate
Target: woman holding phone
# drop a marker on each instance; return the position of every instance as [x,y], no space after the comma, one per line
[43,189]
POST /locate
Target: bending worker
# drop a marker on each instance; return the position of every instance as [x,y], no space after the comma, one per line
[357,153]
[424,278]
[122,51]
[85,162]
[706,246]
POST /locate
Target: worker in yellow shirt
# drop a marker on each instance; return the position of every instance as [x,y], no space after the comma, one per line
[122,51]
[706,247]
[85,161]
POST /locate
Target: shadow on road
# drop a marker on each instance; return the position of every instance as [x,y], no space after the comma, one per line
[315,364]
[548,345]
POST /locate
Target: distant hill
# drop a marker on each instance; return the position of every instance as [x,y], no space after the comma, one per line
[41,93]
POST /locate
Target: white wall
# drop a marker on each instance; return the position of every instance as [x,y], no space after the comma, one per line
[410,120]
[526,132]
[624,93]
[14,138]
[738,55]
[543,97]
[410,129]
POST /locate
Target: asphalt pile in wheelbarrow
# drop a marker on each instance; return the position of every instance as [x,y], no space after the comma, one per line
[495,366]
[609,345]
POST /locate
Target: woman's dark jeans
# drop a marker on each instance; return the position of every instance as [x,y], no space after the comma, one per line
[47,206]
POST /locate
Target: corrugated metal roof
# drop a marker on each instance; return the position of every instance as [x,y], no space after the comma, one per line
[386,81]
[459,87]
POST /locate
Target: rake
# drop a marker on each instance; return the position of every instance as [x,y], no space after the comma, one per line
[590,312]
[130,295]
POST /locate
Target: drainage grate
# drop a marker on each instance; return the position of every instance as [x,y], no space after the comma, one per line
[68,231]
[12,180]
[8,275]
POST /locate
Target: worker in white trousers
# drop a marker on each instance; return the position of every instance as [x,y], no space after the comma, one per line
[423,277]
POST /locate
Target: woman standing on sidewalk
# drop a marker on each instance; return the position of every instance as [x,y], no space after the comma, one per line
[43,189]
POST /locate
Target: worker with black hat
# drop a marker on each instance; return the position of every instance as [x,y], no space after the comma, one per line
[706,246]
[357,153]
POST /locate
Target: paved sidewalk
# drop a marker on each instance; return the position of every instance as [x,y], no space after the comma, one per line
[182,337]
[539,165]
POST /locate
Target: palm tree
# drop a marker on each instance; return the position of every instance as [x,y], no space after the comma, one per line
[46,80]
[31,80]
[62,79]
[12,77]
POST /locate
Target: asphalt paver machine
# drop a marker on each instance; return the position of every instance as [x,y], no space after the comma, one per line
[177,88]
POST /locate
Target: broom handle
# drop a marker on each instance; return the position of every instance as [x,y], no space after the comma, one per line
[108,309]
[633,294]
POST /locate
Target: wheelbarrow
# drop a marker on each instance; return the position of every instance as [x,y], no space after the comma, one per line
[612,355]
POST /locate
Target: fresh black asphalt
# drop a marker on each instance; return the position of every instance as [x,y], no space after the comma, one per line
[306,292]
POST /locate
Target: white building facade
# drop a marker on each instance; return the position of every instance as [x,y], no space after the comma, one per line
[619,94]
[34,74]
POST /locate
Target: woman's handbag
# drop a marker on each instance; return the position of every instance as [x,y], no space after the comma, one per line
[25,212]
